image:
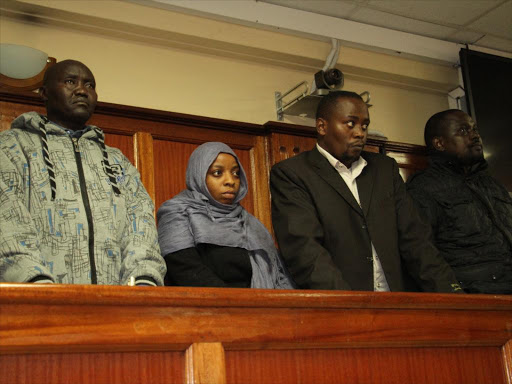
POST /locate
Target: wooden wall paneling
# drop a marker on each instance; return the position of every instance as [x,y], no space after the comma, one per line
[507,361]
[410,158]
[126,143]
[276,336]
[426,365]
[205,364]
[144,161]
[93,368]
[260,176]
[11,110]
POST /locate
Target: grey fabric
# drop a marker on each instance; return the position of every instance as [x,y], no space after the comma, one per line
[194,217]
[45,230]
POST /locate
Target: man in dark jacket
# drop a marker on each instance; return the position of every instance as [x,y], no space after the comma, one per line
[470,212]
[342,217]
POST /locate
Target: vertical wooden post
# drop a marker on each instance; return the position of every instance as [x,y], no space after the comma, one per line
[260,176]
[144,161]
[507,361]
[205,364]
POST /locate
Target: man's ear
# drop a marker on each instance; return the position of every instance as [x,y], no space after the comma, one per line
[43,93]
[321,126]
[438,143]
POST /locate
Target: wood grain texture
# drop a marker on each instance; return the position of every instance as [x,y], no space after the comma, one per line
[269,335]
[144,161]
[102,318]
[507,361]
[205,364]
[366,365]
[93,368]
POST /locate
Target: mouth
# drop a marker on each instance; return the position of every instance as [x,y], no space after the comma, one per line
[81,102]
[229,195]
[357,145]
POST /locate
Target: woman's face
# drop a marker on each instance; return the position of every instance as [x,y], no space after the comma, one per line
[223,178]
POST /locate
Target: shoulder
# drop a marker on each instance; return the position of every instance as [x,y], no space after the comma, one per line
[426,181]
[293,162]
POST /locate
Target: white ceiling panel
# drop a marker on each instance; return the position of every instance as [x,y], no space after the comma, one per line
[466,37]
[458,12]
[335,8]
[495,43]
[497,22]
[400,23]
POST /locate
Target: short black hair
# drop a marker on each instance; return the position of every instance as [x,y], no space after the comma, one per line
[53,69]
[328,103]
[435,126]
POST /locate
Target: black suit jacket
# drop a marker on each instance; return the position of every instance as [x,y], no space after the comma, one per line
[325,236]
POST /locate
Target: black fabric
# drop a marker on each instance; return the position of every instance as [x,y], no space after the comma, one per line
[471,217]
[209,265]
[325,237]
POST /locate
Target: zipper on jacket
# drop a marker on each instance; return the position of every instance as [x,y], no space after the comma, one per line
[87,206]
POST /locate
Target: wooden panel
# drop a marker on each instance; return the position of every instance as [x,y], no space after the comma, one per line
[93,368]
[205,364]
[124,142]
[144,160]
[171,159]
[408,163]
[269,335]
[352,366]
[108,318]
[507,361]
[285,146]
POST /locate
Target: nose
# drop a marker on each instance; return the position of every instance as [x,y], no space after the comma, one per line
[474,134]
[229,180]
[358,130]
[80,89]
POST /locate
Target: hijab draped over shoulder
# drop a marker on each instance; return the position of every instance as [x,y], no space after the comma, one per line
[194,217]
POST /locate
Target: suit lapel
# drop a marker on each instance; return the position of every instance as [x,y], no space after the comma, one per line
[331,177]
[365,187]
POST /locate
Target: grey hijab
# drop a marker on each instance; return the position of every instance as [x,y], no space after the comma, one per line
[193,217]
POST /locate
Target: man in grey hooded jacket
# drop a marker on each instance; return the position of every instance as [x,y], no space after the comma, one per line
[72,210]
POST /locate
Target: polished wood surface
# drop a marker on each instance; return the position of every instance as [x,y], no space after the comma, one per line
[93,368]
[268,335]
[366,365]
[205,364]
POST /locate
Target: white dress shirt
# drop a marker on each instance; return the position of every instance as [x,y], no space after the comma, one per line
[349,176]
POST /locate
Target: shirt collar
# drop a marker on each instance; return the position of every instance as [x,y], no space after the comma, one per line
[355,169]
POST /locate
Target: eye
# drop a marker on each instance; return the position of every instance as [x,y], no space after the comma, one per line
[217,173]
[351,124]
[364,127]
[463,131]
[90,85]
[69,81]
[236,173]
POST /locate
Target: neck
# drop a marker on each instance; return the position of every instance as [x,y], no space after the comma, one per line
[71,125]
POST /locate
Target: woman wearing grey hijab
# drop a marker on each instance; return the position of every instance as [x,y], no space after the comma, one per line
[207,238]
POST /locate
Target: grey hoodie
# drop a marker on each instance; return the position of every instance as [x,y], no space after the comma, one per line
[73,217]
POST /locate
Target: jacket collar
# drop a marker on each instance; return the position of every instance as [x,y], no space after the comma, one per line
[327,172]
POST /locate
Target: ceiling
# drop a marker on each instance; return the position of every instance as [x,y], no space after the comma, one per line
[482,23]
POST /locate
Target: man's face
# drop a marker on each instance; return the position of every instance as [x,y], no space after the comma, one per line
[70,95]
[460,139]
[344,133]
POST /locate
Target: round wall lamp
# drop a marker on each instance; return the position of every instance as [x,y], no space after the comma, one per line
[22,68]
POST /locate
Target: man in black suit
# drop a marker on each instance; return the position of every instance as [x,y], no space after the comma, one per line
[342,217]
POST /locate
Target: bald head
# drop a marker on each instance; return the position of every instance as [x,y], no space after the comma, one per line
[69,94]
